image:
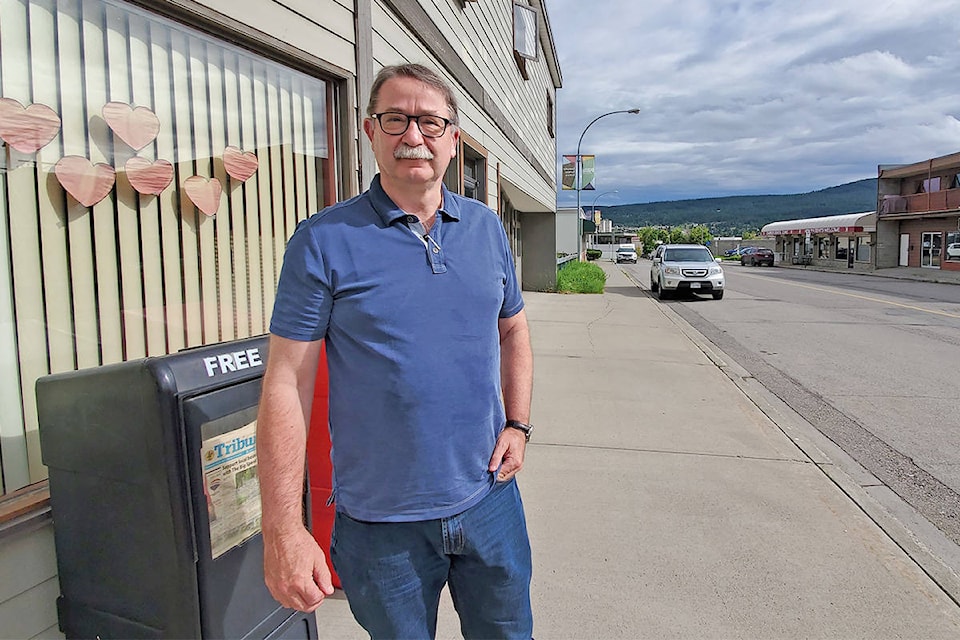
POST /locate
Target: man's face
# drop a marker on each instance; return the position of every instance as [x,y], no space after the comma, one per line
[413,98]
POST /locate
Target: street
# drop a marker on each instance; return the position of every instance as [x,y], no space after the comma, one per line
[869,361]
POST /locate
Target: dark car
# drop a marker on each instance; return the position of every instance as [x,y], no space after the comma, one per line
[757,257]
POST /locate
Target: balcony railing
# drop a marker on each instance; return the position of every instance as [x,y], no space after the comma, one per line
[933,201]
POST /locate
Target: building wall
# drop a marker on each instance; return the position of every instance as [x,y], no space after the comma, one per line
[139,274]
[948,227]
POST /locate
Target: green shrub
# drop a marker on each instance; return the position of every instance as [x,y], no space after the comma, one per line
[594,254]
[581,277]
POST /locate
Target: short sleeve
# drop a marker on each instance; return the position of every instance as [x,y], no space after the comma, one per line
[304,300]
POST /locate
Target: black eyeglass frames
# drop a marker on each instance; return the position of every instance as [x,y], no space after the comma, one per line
[395,123]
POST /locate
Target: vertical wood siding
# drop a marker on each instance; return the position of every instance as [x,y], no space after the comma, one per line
[136,274]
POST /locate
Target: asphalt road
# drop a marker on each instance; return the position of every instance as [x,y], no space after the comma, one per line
[872,362]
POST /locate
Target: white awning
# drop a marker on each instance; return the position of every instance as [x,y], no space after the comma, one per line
[846,223]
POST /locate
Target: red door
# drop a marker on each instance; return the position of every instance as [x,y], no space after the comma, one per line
[318,462]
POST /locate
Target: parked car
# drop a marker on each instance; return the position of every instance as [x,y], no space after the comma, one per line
[737,251]
[685,268]
[626,253]
[758,256]
[953,251]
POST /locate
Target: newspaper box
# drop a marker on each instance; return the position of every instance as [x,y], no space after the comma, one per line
[156,498]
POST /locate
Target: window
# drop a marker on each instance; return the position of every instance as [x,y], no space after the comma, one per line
[842,247]
[863,249]
[550,114]
[468,176]
[152,211]
[823,252]
[524,36]
[952,254]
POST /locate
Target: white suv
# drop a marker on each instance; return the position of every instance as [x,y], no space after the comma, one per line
[626,253]
[685,268]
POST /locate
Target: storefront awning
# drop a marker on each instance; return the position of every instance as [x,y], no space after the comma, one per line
[846,223]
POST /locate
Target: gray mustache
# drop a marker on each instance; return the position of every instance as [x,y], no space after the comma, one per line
[406,152]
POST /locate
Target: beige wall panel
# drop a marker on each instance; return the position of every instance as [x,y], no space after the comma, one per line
[149,205]
[203,166]
[128,227]
[332,42]
[190,216]
[237,242]
[53,237]
[169,200]
[251,199]
[222,304]
[290,181]
[73,133]
[265,208]
[278,232]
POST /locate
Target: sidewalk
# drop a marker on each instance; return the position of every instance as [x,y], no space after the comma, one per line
[669,496]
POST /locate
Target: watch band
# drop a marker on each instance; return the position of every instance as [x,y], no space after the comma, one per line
[522,426]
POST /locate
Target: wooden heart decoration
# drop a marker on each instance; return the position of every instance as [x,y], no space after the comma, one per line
[137,127]
[148,177]
[27,129]
[204,193]
[88,183]
[240,165]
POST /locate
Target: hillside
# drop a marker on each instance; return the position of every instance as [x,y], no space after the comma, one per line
[733,215]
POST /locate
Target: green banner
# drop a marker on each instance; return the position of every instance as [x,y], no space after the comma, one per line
[588,171]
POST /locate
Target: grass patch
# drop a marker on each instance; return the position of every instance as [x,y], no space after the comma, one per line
[581,277]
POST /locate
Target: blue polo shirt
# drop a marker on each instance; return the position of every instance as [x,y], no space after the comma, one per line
[413,348]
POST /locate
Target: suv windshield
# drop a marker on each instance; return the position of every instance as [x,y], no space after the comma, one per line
[625,250]
[687,255]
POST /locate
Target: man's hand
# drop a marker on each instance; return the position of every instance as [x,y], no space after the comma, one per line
[508,453]
[295,570]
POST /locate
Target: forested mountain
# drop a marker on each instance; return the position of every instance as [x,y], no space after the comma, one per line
[733,215]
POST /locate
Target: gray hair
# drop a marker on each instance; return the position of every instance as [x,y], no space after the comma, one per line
[416,72]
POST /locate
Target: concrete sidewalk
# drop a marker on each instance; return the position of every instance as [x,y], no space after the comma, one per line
[669,496]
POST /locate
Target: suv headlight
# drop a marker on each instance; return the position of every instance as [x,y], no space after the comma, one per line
[715,271]
[673,271]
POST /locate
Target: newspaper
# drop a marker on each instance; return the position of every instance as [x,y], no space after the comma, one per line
[232,487]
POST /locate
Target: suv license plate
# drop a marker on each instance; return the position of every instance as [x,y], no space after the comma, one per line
[694,285]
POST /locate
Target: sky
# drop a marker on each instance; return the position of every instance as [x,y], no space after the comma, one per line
[752,97]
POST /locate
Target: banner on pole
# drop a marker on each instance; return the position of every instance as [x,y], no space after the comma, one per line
[588,170]
[568,176]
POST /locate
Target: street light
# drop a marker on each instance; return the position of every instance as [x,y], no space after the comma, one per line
[579,175]
[593,207]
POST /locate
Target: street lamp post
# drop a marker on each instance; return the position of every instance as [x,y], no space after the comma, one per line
[593,207]
[580,174]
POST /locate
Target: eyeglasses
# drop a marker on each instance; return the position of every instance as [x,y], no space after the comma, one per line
[396,124]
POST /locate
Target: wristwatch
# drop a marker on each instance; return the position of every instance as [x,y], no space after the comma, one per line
[516,424]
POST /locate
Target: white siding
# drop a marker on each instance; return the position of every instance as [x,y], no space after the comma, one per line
[28,585]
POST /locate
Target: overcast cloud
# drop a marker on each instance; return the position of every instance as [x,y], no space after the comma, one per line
[753,97]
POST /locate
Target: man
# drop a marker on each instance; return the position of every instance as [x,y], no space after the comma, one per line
[414,290]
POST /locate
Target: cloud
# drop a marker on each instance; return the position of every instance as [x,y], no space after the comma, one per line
[754,96]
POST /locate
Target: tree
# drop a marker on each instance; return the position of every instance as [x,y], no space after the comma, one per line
[699,234]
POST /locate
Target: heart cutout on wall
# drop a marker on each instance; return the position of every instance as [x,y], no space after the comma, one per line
[27,129]
[148,177]
[240,165]
[138,127]
[88,183]
[204,193]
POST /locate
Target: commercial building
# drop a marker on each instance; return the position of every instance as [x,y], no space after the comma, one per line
[837,242]
[155,156]
[918,222]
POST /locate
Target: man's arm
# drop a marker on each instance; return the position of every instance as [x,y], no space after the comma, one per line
[294,566]
[516,379]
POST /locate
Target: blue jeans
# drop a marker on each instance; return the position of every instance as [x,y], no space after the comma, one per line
[393,572]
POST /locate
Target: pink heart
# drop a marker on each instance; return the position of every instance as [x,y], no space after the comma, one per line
[204,193]
[27,129]
[88,183]
[240,165]
[148,177]
[137,127]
